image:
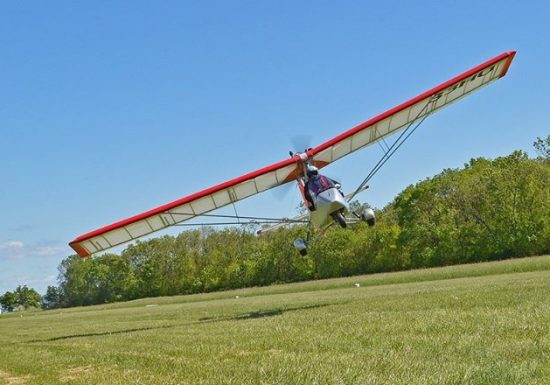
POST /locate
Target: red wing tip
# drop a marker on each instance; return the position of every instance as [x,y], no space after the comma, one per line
[81,251]
[511,55]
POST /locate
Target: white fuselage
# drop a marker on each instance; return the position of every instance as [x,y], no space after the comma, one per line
[326,203]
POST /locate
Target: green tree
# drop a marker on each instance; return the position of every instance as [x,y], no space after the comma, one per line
[8,301]
[52,298]
[27,297]
[488,210]
[76,282]
[543,147]
[22,296]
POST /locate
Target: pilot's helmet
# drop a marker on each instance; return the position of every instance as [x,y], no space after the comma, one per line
[311,170]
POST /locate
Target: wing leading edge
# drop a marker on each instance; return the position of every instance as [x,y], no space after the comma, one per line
[285,171]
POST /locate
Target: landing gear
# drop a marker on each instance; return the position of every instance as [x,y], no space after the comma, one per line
[301,246]
[339,218]
[369,217]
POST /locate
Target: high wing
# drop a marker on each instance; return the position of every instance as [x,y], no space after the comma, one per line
[287,170]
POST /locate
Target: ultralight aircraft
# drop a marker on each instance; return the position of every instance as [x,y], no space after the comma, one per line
[322,197]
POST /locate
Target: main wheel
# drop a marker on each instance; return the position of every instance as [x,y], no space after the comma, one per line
[339,218]
[301,246]
[369,217]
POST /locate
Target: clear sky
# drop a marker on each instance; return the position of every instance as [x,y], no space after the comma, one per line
[110,108]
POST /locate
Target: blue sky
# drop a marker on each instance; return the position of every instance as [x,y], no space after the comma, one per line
[109,108]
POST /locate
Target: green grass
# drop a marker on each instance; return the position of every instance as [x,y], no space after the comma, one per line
[472,324]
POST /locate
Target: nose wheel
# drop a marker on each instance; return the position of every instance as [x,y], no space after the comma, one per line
[339,218]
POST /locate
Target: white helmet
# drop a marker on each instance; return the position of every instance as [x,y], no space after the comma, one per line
[311,170]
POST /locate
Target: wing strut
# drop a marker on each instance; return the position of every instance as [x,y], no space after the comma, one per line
[405,134]
[239,220]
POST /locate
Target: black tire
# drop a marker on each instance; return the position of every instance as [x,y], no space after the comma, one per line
[370,221]
[303,252]
[339,218]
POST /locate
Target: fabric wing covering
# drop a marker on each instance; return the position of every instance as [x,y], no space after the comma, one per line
[285,171]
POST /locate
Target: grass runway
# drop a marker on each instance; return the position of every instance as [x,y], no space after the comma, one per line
[471,324]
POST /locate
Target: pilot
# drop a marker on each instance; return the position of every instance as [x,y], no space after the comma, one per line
[317,183]
[312,173]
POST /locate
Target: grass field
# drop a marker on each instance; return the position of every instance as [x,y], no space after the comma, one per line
[472,324]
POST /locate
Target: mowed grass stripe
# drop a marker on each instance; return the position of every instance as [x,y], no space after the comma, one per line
[489,326]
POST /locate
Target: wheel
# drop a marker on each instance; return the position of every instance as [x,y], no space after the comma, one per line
[301,246]
[368,216]
[339,218]
[370,220]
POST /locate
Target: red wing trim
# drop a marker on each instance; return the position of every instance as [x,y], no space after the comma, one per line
[433,91]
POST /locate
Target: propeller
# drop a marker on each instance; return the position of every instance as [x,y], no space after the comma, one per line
[281,192]
[300,143]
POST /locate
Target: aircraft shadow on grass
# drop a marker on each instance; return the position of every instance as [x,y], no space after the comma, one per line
[238,317]
[261,313]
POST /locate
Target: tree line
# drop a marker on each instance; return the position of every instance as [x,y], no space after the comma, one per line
[22,297]
[487,210]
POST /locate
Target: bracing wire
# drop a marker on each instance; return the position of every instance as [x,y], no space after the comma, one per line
[405,134]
